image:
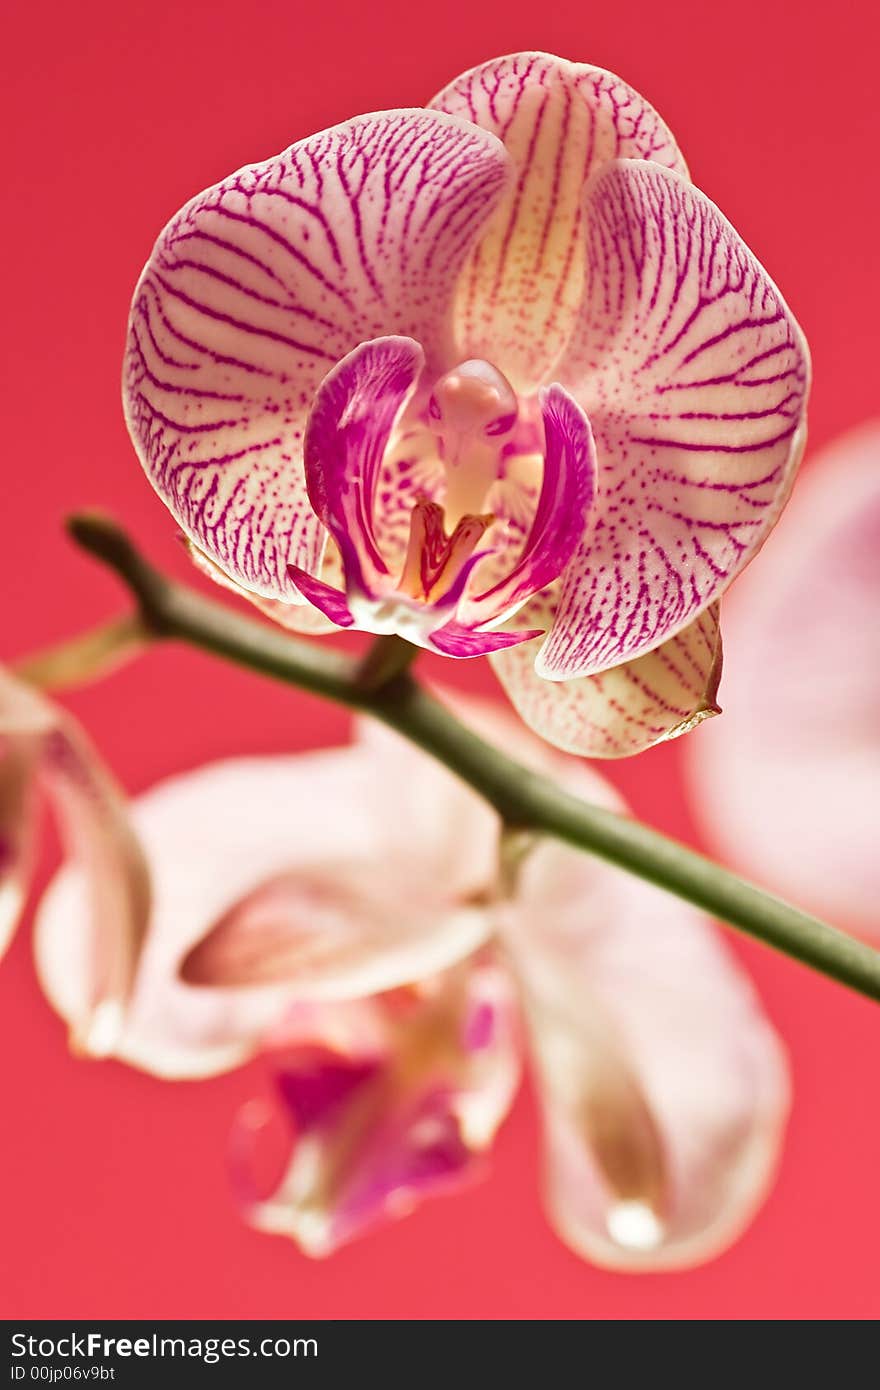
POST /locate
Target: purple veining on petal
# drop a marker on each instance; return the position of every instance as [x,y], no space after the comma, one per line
[567,491]
[347,433]
[696,450]
[259,285]
[521,286]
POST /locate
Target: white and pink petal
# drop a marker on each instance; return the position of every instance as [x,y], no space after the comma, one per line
[265,281]
[694,376]
[787,784]
[380,1103]
[520,290]
[663,1086]
[627,708]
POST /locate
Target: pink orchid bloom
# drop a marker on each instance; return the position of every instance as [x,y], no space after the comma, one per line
[788,783]
[338,911]
[492,375]
[43,751]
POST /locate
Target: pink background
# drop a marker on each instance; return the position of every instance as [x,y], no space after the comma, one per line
[113,1194]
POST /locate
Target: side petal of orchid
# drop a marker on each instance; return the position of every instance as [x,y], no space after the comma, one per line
[568,490]
[100,841]
[348,430]
[43,749]
[337,931]
[25,720]
[663,1086]
[259,285]
[694,375]
[276,854]
[521,288]
[787,788]
[627,708]
[379,1104]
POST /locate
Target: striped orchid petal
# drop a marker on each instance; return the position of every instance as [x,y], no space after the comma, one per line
[627,708]
[347,434]
[275,878]
[663,1087]
[43,750]
[694,376]
[521,289]
[379,1103]
[260,285]
[787,784]
[568,488]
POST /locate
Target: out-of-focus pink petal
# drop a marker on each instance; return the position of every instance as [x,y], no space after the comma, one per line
[348,430]
[694,376]
[214,837]
[521,288]
[24,720]
[259,285]
[339,930]
[43,749]
[568,488]
[627,708]
[788,783]
[101,843]
[383,1102]
[664,1088]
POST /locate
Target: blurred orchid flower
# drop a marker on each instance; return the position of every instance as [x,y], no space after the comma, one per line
[380,977]
[491,375]
[799,754]
[43,750]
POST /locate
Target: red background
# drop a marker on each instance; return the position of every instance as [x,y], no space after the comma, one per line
[113,1197]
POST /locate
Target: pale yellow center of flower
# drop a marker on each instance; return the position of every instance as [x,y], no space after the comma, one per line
[472,412]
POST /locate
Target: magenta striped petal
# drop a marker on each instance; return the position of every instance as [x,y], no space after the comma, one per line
[694,376]
[560,121]
[259,285]
[347,433]
[568,487]
[627,708]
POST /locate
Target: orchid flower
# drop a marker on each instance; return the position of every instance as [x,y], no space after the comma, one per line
[491,375]
[339,911]
[788,787]
[43,750]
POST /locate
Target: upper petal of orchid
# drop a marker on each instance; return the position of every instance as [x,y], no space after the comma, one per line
[259,285]
[694,376]
[281,855]
[788,786]
[383,1102]
[42,748]
[627,708]
[664,1088]
[521,288]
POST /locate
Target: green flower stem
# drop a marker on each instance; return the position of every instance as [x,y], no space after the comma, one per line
[524,800]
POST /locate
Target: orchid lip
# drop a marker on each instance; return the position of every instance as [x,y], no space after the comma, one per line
[461,570]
